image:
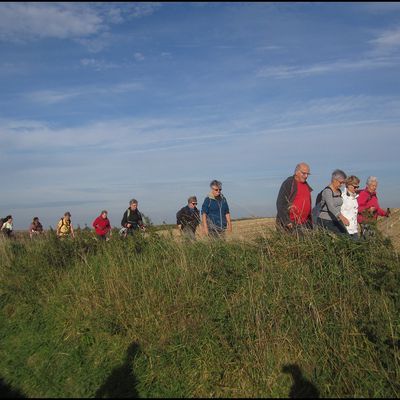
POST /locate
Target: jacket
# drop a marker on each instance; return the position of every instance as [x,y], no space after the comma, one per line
[188,218]
[366,200]
[286,195]
[349,209]
[216,210]
[132,217]
[102,226]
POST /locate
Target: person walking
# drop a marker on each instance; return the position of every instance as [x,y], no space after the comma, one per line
[215,214]
[294,201]
[330,202]
[102,226]
[369,208]
[65,228]
[349,208]
[7,226]
[188,218]
[132,219]
[35,228]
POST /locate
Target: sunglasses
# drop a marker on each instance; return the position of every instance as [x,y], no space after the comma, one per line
[217,190]
[195,204]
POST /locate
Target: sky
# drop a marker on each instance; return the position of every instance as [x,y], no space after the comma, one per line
[104,102]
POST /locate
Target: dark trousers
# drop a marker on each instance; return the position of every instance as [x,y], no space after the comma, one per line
[333,226]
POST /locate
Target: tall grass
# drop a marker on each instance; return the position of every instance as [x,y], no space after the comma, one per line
[151,317]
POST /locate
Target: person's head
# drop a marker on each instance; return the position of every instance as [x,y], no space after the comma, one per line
[35,220]
[133,204]
[67,216]
[301,172]
[372,184]
[8,218]
[104,214]
[216,187]
[352,183]
[338,178]
[192,201]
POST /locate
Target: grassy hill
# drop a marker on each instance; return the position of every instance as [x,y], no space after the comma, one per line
[149,317]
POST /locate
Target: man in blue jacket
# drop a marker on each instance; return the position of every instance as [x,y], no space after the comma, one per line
[215,215]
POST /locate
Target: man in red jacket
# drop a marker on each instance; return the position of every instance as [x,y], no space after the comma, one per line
[102,225]
[368,207]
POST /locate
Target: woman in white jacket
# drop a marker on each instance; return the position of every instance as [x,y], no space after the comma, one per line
[350,205]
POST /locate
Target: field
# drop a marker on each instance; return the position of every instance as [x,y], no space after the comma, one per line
[258,315]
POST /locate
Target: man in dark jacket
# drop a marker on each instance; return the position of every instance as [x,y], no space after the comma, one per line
[132,219]
[294,201]
[188,218]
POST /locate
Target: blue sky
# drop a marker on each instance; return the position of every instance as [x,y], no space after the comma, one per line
[104,102]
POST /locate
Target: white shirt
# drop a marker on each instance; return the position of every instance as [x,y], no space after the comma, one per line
[349,209]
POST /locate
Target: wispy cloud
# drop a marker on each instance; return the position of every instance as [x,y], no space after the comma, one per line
[87,23]
[57,96]
[294,71]
[139,57]
[387,41]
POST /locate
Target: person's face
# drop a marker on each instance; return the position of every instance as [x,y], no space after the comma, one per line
[216,190]
[68,217]
[352,188]
[302,173]
[104,215]
[337,183]
[192,204]
[372,187]
[133,206]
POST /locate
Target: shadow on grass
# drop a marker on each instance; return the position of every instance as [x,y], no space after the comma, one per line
[122,382]
[301,388]
[7,392]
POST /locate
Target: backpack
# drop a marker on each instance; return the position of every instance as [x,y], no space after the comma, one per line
[318,201]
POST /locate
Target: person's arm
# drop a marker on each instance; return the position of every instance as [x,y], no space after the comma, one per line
[363,200]
[204,212]
[179,218]
[72,231]
[282,203]
[380,212]
[58,228]
[95,223]
[327,196]
[125,220]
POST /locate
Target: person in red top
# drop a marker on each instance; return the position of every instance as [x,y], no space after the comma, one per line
[294,200]
[368,206]
[102,225]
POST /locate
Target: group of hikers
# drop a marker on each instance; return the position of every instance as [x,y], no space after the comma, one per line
[339,208]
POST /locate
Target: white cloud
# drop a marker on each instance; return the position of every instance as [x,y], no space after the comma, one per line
[387,41]
[288,71]
[98,64]
[81,21]
[57,96]
[139,57]
[25,21]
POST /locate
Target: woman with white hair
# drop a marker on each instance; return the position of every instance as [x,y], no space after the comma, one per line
[368,206]
[330,201]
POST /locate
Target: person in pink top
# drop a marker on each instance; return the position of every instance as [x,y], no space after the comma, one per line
[102,225]
[369,208]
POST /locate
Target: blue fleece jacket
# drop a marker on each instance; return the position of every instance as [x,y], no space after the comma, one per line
[216,210]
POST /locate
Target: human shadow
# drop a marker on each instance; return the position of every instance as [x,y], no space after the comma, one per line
[7,392]
[301,388]
[121,383]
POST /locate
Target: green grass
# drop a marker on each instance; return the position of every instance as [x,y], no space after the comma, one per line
[150,317]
